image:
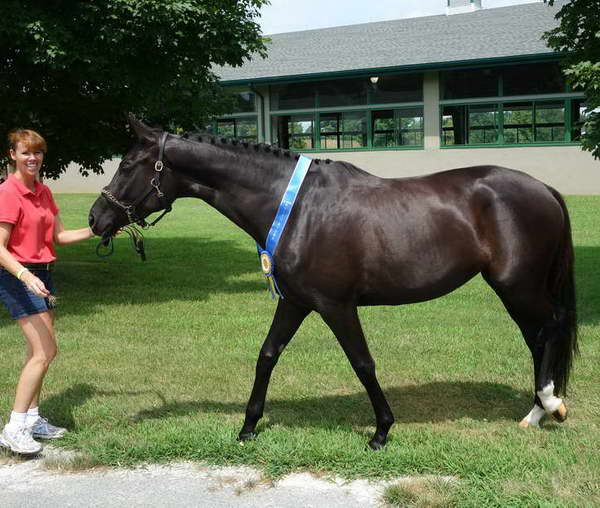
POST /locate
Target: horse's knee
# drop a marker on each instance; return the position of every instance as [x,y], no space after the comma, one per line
[266,360]
[365,369]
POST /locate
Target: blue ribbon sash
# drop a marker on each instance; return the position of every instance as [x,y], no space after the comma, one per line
[266,255]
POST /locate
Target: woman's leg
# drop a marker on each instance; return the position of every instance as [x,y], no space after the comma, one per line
[36,398]
[38,330]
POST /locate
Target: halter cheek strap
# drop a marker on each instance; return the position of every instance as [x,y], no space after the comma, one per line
[130,209]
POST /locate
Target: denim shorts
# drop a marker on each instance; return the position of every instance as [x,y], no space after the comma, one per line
[21,301]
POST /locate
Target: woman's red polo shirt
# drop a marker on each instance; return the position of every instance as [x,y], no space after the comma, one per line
[32,215]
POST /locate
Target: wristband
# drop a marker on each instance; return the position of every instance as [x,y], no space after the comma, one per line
[21,272]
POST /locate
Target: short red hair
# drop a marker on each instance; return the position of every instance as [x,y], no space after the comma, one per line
[31,139]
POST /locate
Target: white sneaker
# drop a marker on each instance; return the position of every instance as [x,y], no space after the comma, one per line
[19,440]
[41,429]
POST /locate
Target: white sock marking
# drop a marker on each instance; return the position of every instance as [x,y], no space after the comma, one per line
[546,395]
[534,416]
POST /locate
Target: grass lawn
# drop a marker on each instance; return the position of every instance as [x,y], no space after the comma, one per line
[157,363]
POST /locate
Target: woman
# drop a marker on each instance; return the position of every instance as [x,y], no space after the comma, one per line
[29,228]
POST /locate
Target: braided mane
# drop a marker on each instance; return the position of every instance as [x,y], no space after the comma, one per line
[231,142]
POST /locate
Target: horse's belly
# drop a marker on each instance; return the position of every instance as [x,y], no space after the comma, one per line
[414,287]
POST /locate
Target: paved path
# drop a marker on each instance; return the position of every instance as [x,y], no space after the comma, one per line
[30,483]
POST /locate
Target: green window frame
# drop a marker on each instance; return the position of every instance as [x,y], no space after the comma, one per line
[344,130]
[294,132]
[511,80]
[244,128]
[542,121]
[345,113]
[395,128]
[399,128]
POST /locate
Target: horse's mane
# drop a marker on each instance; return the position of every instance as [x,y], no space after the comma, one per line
[232,143]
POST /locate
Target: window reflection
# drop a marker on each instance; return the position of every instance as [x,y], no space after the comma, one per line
[343,130]
[293,132]
[245,129]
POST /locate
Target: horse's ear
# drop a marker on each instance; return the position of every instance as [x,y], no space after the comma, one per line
[140,129]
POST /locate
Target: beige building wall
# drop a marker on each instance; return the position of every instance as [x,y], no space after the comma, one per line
[72,182]
[567,168]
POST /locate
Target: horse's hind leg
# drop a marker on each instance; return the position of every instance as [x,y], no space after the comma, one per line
[534,314]
[345,324]
[287,319]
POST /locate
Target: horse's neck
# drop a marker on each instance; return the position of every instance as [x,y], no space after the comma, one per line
[245,186]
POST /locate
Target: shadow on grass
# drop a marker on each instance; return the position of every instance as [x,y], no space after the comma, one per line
[63,405]
[177,269]
[426,403]
[587,276]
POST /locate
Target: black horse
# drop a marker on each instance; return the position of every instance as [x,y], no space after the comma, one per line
[355,239]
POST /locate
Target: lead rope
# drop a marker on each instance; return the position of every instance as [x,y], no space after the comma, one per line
[137,240]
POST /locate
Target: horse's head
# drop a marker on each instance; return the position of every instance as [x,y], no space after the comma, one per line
[143,184]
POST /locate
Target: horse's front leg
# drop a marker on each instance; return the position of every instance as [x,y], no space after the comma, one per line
[345,324]
[288,317]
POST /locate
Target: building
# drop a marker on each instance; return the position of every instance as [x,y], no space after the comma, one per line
[413,96]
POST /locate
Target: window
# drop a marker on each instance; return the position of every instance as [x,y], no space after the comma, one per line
[293,96]
[518,123]
[528,122]
[340,114]
[397,88]
[343,130]
[522,79]
[454,121]
[475,124]
[531,79]
[293,132]
[343,92]
[411,127]
[243,128]
[244,102]
[384,128]
[483,124]
[549,121]
[470,83]
[226,128]
[335,93]
[512,123]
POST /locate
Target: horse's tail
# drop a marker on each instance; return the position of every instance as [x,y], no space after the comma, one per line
[561,284]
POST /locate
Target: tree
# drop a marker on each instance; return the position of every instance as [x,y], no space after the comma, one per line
[578,38]
[72,69]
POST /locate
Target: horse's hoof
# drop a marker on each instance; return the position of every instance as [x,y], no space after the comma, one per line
[246,436]
[524,423]
[376,445]
[560,415]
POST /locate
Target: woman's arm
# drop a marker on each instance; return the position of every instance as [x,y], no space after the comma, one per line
[8,262]
[65,237]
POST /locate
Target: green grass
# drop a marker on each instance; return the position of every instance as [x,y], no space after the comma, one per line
[157,362]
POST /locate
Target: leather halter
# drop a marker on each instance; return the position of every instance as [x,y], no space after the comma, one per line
[130,209]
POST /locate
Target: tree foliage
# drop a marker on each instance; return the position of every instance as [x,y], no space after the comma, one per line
[578,37]
[73,68]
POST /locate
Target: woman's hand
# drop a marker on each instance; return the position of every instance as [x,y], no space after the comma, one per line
[34,284]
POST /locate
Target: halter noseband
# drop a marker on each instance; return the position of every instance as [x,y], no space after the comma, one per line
[129,209]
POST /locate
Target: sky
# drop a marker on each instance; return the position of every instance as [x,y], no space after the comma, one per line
[293,15]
